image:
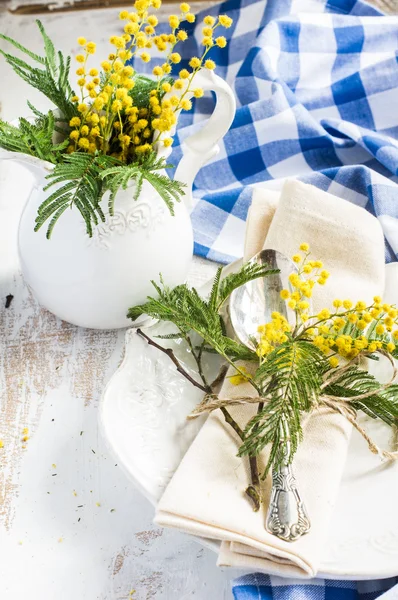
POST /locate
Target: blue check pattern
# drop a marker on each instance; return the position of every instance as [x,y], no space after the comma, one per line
[257,586]
[316,84]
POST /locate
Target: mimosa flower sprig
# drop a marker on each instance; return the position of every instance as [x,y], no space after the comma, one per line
[299,365]
[109,130]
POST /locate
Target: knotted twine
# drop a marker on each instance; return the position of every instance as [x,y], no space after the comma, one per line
[212,401]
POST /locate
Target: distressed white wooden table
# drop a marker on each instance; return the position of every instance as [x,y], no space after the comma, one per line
[72,527]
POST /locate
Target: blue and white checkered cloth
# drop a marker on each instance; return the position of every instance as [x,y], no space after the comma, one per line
[316,84]
[264,587]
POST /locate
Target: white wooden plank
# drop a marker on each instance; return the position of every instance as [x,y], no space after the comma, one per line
[51,377]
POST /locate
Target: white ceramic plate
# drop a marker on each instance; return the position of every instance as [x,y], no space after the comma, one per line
[143,416]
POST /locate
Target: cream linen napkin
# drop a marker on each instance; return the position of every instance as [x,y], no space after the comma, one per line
[206,495]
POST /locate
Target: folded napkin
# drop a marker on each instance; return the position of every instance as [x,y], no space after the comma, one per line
[206,495]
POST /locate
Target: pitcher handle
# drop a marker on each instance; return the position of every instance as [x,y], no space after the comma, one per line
[201,146]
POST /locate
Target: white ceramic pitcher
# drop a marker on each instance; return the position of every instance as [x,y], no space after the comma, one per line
[92,282]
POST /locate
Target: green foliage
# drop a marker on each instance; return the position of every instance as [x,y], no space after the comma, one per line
[33,138]
[185,308]
[383,404]
[82,187]
[231,282]
[86,178]
[145,168]
[290,380]
[50,78]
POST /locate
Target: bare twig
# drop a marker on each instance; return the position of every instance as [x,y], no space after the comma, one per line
[173,358]
[253,491]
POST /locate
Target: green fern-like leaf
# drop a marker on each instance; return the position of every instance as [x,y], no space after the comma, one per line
[290,379]
[33,138]
[248,272]
[383,404]
[120,176]
[50,78]
[185,308]
[82,187]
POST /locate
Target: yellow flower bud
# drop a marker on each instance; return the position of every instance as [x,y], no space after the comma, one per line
[131,28]
[91,47]
[80,58]
[145,57]
[81,41]
[186,104]
[190,18]
[296,258]
[152,20]
[303,305]
[84,143]
[157,71]
[168,142]
[184,7]
[182,35]
[74,122]
[221,43]
[175,58]
[225,21]
[116,106]
[285,294]
[209,20]
[184,74]
[334,361]
[324,314]
[174,21]
[123,15]
[210,64]
[347,304]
